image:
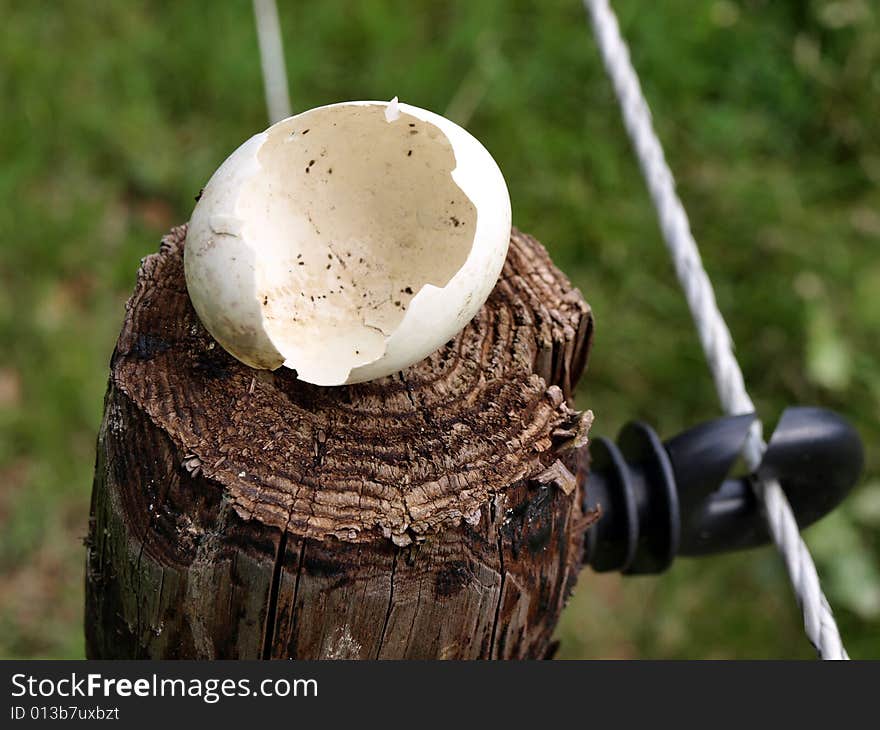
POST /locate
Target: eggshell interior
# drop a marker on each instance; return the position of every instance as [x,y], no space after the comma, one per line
[347,242]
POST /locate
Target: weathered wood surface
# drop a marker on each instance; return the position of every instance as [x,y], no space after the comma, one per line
[244,514]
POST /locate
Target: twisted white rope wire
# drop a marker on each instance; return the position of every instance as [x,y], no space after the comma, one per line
[715,338]
[272,60]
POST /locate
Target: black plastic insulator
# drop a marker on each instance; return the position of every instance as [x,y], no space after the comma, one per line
[633,484]
[659,500]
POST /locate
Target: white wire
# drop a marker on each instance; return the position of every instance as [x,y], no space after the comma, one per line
[272,60]
[715,338]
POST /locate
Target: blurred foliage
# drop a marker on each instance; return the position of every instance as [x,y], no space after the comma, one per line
[115,113]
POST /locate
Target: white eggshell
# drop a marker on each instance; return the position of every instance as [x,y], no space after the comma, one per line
[347,242]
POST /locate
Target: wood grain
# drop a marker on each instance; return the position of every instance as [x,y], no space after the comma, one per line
[436,513]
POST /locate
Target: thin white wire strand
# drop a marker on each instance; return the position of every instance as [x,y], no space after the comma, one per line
[819,623]
[272,60]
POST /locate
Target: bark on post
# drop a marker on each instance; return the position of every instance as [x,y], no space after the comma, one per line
[244,514]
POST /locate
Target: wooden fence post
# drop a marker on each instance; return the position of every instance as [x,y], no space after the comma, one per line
[432,514]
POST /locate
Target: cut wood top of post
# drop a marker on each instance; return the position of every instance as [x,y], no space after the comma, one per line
[395,458]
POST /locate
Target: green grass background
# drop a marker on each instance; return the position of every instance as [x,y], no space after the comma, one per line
[113,114]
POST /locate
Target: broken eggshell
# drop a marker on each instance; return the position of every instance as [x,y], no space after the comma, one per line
[347,242]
